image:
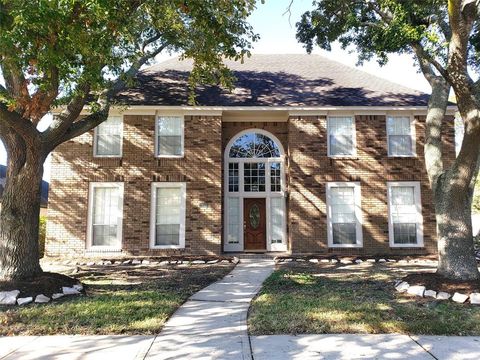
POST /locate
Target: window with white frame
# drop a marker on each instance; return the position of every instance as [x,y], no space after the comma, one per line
[401,136]
[105,215]
[234,221]
[169,136]
[341,136]
[108,138]
[405,216]
[344,214]
[276,219]
[167,229]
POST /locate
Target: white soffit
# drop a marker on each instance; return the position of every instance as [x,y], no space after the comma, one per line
[267,113]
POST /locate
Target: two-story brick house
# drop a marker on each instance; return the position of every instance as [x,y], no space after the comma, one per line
[305,155]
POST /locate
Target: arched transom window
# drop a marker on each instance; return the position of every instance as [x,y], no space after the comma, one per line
[254,164]
[254,145]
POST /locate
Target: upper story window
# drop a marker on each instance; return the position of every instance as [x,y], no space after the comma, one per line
[254,164]
[169,138]
[405,215]
[108,138]
[401,136]
[341,136]
[344,214]
[254,145]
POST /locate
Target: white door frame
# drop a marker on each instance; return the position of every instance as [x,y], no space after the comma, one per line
[267,194]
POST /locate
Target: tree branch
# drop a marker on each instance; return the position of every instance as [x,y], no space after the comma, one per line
[122,81]
[421,53]
[386,16]
[85,124]
[15,82]
[150,40]
[437,105]
[42,100]
[425,65]
[64,127]
[62,121]
[20,125]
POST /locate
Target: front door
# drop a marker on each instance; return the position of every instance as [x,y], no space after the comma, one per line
[254,224]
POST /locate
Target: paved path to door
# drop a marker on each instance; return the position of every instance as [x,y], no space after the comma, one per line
[212,324]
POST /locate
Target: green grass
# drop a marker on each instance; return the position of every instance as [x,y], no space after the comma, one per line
[133,301]
[354,299]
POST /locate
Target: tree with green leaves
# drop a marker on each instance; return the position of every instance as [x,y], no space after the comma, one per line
[75,54]
[444,37]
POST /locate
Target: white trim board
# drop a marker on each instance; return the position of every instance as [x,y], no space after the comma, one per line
[293,110]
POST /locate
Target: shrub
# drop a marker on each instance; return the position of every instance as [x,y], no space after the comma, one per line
[476,198]
[41,235]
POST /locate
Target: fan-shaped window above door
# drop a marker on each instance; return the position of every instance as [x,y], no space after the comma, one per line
[254,145]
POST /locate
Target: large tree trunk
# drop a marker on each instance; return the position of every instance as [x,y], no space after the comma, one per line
[456,258]
[452,190]
[19,215]
[453,201]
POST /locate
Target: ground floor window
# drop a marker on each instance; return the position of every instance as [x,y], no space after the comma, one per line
[105,215]
[167,223]
[344,214]
[276,220]
[233,221]
[405,215]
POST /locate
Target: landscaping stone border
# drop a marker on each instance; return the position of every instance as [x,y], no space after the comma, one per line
[421,291]
[12,297]
[400,286]
[354,259]
[151,260]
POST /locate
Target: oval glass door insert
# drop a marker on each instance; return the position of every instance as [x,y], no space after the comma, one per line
[254,216]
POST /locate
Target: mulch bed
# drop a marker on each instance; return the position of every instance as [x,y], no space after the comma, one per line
[46,283]
[433,281]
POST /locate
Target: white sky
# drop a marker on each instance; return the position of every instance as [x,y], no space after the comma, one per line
[277,36]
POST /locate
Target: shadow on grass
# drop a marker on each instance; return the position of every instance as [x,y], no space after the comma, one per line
[352,299]
[126,301]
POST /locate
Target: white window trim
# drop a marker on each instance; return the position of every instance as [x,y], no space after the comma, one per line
[153,206]
[267,194]
[354,137]
[95,142]
[358,214]
[182,119]
[92,186]
[413,135]
[419,217]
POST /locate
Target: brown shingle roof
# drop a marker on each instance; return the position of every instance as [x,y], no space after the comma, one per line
[273,80]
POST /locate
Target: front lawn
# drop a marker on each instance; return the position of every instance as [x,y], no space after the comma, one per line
[120,300]
[326,298]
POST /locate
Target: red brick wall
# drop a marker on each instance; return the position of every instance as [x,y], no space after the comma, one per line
[73,167]
[308,170]
[311,169]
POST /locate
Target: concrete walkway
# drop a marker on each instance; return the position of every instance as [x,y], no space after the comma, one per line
[212,325]
[272,347]
[356,346]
